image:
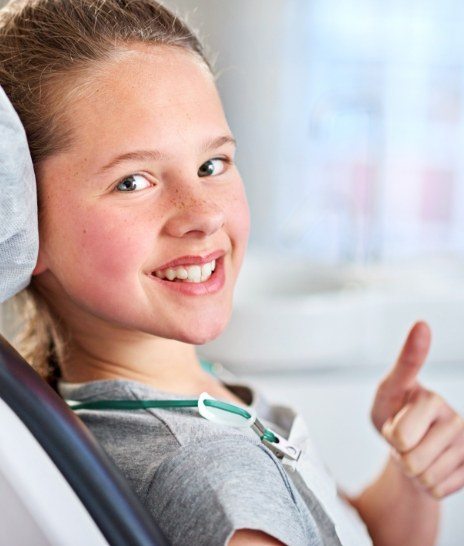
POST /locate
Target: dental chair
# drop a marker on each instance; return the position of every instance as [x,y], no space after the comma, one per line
[57,485]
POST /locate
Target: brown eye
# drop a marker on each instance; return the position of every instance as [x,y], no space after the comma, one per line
[212,167]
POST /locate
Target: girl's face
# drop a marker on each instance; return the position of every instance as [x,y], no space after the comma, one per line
[108,224]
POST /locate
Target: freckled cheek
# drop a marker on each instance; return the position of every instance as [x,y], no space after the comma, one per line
[112,246]
[238,215]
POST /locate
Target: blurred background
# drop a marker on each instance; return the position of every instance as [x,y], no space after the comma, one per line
[349,118]
[350,130]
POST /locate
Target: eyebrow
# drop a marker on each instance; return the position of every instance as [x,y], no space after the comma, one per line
[157,155]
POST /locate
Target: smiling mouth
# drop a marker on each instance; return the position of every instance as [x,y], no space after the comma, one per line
[190,281]
[209,284]
[191,274]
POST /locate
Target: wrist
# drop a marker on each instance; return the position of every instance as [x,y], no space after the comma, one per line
[394,509]
[408,486]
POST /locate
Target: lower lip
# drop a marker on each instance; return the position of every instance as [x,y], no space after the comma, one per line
[211,286]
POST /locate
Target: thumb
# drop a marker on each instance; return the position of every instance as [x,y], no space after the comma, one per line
[397,385]
[402,376]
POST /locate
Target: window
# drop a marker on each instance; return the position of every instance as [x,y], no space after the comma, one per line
[375,133]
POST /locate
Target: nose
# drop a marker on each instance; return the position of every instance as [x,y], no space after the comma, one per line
[194,215]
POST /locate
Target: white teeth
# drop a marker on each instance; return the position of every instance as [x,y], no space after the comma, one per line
[191,273]
[194,273]
[171,274]
[206,270]
[182,273]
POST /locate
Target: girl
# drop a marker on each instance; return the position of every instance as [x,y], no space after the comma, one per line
[143,227]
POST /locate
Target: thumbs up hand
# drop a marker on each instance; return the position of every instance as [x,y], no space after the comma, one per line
[425,433]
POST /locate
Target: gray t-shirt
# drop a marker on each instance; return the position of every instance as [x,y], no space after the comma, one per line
[200,480]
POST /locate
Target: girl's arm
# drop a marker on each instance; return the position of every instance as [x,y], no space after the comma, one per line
[251,537]
[396,510]
[426,461]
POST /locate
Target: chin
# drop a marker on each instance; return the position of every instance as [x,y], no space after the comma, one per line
[203,332]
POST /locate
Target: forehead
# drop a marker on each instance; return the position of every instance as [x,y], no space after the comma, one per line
[146,92]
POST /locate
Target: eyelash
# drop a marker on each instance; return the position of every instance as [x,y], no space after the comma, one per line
[227,161]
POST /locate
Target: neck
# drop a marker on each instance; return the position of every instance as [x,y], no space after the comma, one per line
[165,364]
[97,349]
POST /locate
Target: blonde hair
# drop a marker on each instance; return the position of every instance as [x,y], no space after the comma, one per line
[48,50]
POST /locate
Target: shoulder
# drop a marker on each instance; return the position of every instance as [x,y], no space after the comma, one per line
[205,492]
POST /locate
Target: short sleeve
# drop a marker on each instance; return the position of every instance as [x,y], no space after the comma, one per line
[205,492]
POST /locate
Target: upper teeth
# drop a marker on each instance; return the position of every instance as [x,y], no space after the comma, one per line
[191,273]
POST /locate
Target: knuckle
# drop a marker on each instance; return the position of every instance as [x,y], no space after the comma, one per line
[421,394]
[429,397]
[386,429]
[427,479]
[435,398]
[447,411]
[457,422]
[409,465]
[399,439]
[437,492]
[456,431]
[427,393]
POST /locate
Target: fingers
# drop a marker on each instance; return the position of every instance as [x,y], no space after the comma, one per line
[436,442]
[440,477]
[407,428]
[401,380]
[436,464]
[412,357]
[452,484]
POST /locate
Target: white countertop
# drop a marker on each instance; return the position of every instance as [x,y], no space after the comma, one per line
[301,316]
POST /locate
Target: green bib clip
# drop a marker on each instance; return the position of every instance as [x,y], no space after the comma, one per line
[223,413]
